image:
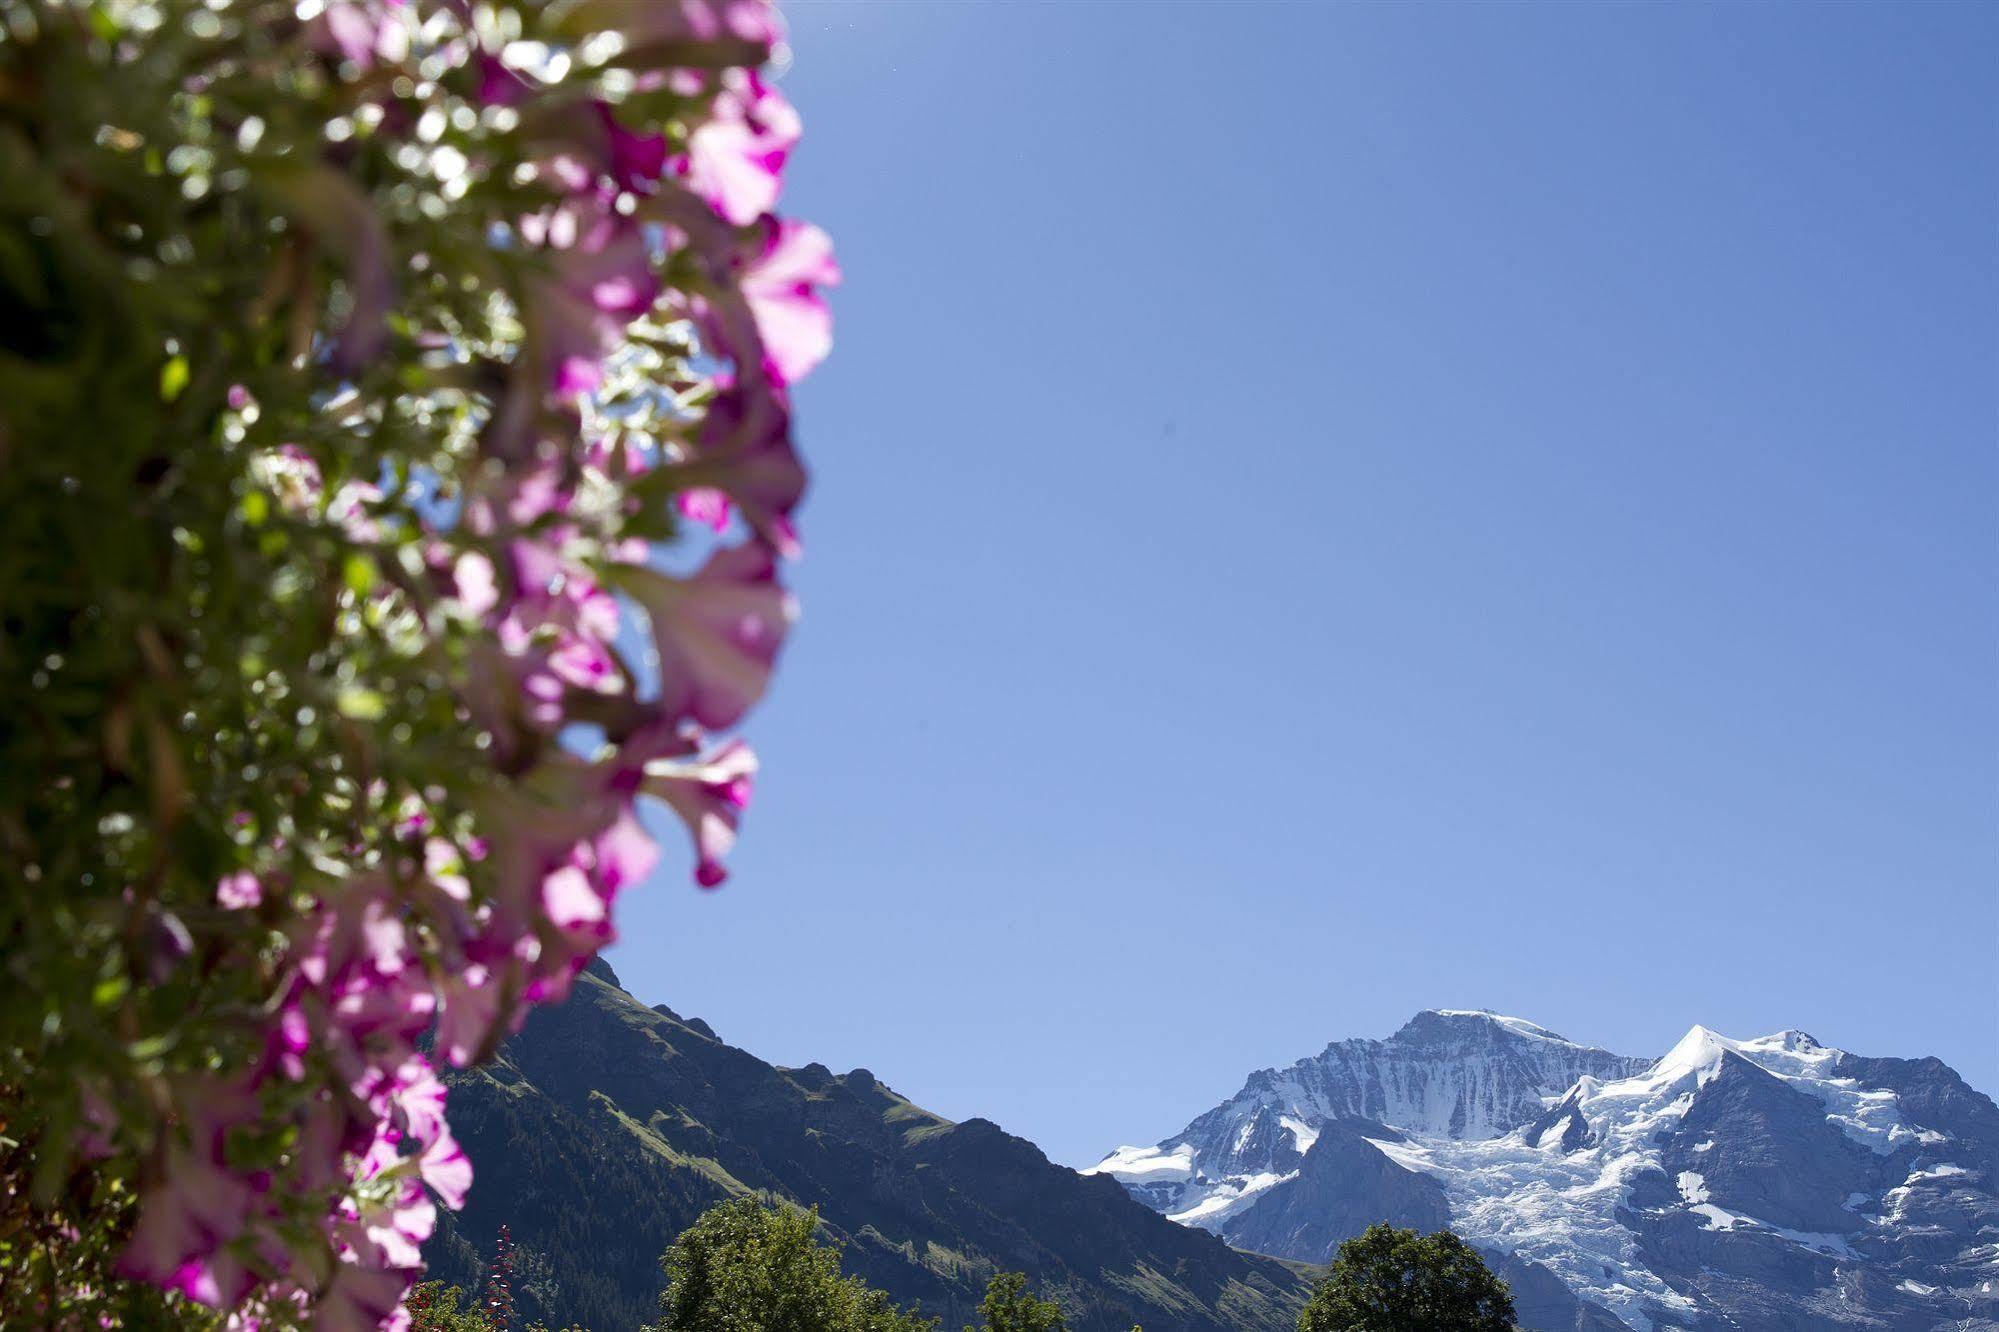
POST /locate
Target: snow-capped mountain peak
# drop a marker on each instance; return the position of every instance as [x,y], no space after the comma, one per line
[1768,1182]
[1517,1026]
[1454,1073]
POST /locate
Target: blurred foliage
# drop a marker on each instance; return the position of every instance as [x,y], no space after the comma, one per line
[255,339]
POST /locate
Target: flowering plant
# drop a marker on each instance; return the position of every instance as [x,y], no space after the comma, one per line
[357,357]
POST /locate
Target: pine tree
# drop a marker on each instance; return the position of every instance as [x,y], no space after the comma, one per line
[499,1306]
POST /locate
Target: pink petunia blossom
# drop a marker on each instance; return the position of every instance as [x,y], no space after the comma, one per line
[717,634]
[624,853]
[478,592]
[704,505]
[635,161]
[781,284]
[198,1204]
[239,891]
[600,277]
[709,794]
[499,84]
[445,1168]
[363,31]
[735,160]
[469,1013]
[360,1299]
[743,453]
[572,902]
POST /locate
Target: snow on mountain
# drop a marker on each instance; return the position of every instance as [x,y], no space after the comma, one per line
[1766,1183]
[1447,1073]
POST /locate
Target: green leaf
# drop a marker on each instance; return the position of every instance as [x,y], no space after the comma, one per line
[359,573]
[173,378]
[150,1048]
[361,704]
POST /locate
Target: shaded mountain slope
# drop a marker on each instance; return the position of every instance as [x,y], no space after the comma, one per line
[605,1127]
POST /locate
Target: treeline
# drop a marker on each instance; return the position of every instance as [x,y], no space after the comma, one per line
[758,1265]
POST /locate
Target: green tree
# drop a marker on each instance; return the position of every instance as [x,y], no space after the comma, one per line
[756,1265]
[1390,1280]
[1009,1308]
[435,1307]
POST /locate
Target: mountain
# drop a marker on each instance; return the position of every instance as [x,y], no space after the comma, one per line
[1446,1073]
[604,1128]
[1771,1184]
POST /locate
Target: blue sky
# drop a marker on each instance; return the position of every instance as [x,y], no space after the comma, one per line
[1327,511]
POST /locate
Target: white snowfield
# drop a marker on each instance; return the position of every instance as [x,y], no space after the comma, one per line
[1560,1208]
[1147,1165]
[1471,1097]
[1551,1205]
[1533,1031]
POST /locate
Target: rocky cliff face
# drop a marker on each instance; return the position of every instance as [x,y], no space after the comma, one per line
[606,1127]
[1771,1184]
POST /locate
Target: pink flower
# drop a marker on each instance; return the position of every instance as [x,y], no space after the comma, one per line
[183,1224]
[717,634]
[577,897]
[709,795]
[762,309]
[572,903]
[419,1099]
[781,284]
[500,85]
[446,1169]
[585,141]
[363,31]
[636,161]
[444,869]
[625,853]
[239,891]
[558,629]
[469,1013]
[474,583]
[198,1204]
[600,278]
[537,825]
[704,505]
[291,1040]
[735,159]
[396,1231]
[359,1299]
[744,451]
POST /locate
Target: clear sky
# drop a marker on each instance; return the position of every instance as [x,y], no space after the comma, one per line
[1323,511]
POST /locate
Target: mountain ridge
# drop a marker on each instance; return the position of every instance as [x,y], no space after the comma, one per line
[604,1128]
[1771,1183]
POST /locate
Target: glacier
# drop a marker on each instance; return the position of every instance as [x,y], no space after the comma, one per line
[1767,1182]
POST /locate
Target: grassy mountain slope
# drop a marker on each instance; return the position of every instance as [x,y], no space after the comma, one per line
[606,1127]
